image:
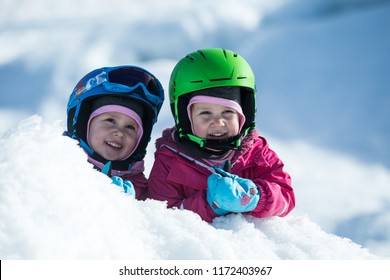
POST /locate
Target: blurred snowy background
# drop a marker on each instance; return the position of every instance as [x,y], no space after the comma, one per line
[322,70]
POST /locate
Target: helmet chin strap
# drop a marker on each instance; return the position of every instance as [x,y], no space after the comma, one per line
[86,147]
[107,168]
[230,143]
[210,148]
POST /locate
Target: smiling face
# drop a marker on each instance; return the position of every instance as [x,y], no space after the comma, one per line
[212,121]
[113,135]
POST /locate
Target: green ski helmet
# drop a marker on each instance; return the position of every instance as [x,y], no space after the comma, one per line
[211,72]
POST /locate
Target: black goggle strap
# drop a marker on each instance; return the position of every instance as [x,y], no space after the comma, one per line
[76,115]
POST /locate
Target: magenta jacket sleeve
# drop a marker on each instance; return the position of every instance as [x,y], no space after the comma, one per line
[265,169]
[179,183]
[140,184]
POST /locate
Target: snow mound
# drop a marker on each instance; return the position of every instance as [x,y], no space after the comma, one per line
[54,205]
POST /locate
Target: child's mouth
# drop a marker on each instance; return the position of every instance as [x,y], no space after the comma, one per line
[114,145]
[216,135]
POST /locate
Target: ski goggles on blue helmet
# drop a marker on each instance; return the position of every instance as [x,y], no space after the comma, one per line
[128,81]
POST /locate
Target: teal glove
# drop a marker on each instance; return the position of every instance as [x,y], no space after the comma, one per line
[230,193]
[126,185]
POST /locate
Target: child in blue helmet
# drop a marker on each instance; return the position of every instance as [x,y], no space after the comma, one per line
[111,112]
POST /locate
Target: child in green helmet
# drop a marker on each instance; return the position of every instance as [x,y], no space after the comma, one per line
[213,161]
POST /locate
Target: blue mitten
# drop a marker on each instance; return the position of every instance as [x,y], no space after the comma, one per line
[211,194]
[231,193]
[126,185]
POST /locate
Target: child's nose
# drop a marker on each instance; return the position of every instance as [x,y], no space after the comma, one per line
[118,131]
[218,121]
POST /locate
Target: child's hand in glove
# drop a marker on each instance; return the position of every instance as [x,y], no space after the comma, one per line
[126,185]
[230,193]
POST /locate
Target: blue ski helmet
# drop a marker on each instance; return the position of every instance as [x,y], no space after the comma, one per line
[127,83]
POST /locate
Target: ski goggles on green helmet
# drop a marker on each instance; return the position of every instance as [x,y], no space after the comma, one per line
[131,81]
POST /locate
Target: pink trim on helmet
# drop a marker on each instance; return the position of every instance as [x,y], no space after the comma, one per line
[219,101]
[120,109]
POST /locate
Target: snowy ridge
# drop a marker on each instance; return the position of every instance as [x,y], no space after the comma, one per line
[74,212]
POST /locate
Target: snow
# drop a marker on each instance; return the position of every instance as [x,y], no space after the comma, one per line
[75,212]
[321,68]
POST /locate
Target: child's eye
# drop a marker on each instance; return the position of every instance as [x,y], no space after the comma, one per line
[205,113]
[131,127]
[111,120]
[228,113]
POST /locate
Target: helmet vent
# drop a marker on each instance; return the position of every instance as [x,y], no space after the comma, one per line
[219,79]
[202,54]
[224,53]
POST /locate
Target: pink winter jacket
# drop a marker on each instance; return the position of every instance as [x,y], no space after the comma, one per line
[183,183]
